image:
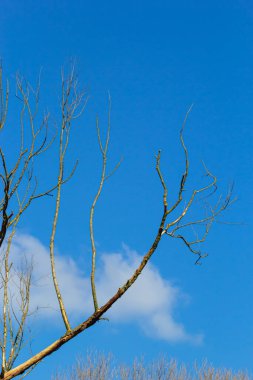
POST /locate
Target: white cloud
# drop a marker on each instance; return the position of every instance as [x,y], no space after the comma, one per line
[150,302]
[74,286]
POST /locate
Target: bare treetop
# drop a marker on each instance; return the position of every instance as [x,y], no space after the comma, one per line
[20,188]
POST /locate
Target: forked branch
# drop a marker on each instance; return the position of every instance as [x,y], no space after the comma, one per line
[71,102]
[19,188]
[104,176]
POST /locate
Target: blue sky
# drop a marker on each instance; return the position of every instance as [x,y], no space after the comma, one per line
[156,59]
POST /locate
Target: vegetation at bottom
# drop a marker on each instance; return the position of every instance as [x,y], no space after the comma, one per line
[98,366]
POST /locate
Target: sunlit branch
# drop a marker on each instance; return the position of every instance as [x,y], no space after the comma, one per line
[20,187]
[70,102]
[103,150]
[186,171]
[103,178]
[4,100]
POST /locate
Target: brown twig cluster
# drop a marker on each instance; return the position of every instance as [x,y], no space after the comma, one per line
[102,367]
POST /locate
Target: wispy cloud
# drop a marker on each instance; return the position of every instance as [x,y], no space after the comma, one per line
[150,302]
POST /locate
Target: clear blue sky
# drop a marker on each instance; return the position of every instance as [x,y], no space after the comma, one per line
[155,58]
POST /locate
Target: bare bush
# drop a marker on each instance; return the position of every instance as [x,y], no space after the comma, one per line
[98,366]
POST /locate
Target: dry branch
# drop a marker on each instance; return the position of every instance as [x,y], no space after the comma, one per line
[19,186]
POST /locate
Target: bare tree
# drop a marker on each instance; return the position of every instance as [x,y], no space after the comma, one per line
[97,366]
[20,188]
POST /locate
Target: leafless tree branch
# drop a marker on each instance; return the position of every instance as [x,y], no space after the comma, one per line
[19,187]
